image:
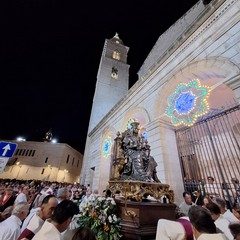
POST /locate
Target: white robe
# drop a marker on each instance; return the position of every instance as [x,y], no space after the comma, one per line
[222,224]
[230,216]
[216,236]
[170,229]
[29,217]
[10,228]
[48,232]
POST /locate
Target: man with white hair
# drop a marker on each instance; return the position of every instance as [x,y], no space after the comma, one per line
[10,228]
[62,194]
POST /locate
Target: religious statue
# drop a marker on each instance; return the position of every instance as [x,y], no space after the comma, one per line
[48,136]
[135,163]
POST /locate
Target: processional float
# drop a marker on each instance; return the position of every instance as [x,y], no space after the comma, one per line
[141,197]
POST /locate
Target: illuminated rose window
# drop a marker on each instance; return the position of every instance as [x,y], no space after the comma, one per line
[187,103]
[107,147]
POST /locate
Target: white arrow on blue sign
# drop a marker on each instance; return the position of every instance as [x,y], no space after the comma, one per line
[7,149]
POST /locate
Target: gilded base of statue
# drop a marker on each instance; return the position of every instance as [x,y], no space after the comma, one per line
[138,190]
[139,219]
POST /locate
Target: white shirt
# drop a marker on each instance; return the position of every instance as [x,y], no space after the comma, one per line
[29,217]
[211,189]
[170,229]
[21,197]
[35,224]
[222,224]
[10,228]
[230,216]
[48,232]
[215,236]
[184,208]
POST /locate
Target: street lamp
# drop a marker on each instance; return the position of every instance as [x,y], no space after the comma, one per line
[21,139]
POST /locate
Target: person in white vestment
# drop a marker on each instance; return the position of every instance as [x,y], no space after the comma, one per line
[203,226]
[59,222]
[220,222]
[85,199]
[186,204]
[225,212]
[37,220]
[10,228]
[177,230]
[22,195]
[52,189]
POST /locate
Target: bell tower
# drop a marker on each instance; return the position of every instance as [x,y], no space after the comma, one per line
[112,79]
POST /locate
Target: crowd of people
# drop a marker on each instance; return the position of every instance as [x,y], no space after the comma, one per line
[210,221]
[229,191]
[41,210]
[45,210]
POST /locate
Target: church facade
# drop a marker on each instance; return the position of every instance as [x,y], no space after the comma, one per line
[192,69]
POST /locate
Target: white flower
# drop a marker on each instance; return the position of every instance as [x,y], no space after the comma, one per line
[100,199]
[110,219]
[114,218]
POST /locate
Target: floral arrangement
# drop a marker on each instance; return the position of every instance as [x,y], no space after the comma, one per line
[100,214]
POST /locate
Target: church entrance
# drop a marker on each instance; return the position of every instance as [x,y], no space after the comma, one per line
[211,148]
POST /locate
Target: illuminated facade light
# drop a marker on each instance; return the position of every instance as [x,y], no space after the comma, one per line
[107,147]
[145,135]
[188,103]
[21,139]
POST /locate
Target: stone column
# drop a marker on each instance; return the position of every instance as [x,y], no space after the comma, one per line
[161,138]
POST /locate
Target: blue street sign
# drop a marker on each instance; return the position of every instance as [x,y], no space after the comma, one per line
[7,149]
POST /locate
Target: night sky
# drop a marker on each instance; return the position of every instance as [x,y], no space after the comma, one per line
[50,52]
